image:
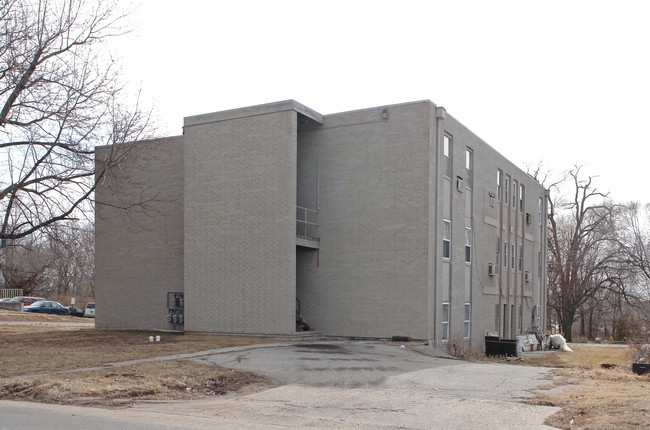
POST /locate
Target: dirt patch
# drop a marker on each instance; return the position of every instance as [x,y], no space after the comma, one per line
[29,350]
[123,386]
[599,390]
[596,398]
[45,363]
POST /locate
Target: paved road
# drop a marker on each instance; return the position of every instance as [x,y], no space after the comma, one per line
[358,385]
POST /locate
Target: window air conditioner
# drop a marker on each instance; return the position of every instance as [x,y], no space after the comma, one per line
[528,218]
[527,276]
[492,269]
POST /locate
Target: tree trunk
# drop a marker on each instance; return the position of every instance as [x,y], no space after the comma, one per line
[566,325]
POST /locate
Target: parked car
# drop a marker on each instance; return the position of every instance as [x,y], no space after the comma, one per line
[47,307]
[75,311]
[90,310]
[27,300]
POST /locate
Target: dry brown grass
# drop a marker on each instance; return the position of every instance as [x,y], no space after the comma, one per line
[38,363]
[6,315]
[29,350]
[583,355]
[594,397]
[124,385]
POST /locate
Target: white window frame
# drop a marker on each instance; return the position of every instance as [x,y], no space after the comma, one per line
[469,159]
[521,258]
[505,255]
[539,210]
[468,244]
[506,188]
[499,183]
[514,194]
[445,321]
[467,321]
[513,257]
[446,239]
[446,146]
[521,198]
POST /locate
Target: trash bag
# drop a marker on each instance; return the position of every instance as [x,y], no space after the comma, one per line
[558,341]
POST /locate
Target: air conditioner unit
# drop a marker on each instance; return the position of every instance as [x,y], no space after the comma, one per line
[527,276]
[528,218]
[492,269]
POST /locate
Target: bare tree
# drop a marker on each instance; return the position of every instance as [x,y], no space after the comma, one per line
[59,99]
[584,253]
[73,270]
[26,265]
[55,261]
[635,236]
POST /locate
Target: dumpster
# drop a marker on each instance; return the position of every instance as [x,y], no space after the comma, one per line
[496,346]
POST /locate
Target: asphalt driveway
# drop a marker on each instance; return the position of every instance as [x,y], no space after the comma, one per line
[367,385]
[334,384]
[337,364]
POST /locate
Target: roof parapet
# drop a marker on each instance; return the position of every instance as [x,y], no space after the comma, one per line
[254,111]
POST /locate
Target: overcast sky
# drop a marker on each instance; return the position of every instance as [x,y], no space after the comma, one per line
[562,82]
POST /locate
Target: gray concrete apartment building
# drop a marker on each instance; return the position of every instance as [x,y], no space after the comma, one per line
[393,220]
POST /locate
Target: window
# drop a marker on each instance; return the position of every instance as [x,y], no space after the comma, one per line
[467,320]
[505,254]
[446,148]
[492,199]
[499,183]
[514,194]
[498,262]
[460,184]
[520,322]
[507,187]
[496,318]
[539,265]
[521,198]
[541,204]
[446,239]
[468,159]
[521,257]
[445,321]
[512,256]
[468,244]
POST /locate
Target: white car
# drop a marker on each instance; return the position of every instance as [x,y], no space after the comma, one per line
[89,312]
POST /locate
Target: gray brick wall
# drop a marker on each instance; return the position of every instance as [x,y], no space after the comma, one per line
[383,187]
[488,223]
[371,278]
[240,198]
[139,236]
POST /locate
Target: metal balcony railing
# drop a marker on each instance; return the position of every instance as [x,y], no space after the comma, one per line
[307,223]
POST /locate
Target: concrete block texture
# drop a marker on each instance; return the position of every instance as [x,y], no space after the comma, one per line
[240,208]
[371,276]
[377,183]
[139,235]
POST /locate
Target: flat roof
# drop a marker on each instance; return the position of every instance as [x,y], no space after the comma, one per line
[253,111]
